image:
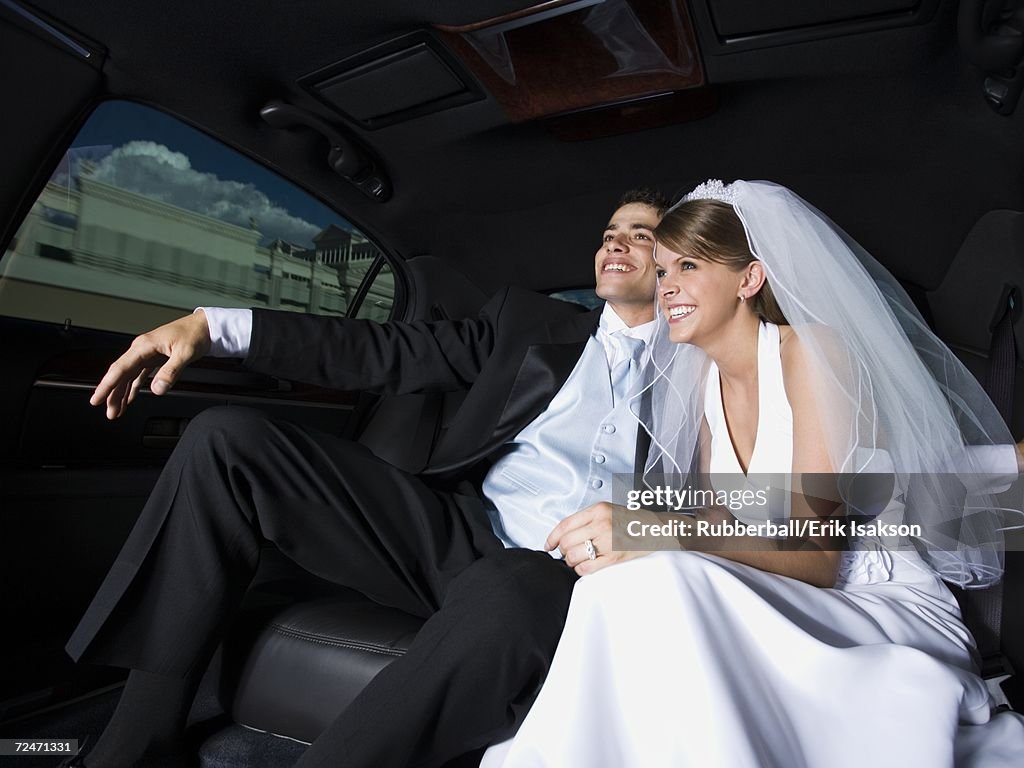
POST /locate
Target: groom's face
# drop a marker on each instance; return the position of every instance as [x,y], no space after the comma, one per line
[624,264]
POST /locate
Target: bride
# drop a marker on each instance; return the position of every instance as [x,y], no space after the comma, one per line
[786,350]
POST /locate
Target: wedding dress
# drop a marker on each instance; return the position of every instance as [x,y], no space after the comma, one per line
[691,660]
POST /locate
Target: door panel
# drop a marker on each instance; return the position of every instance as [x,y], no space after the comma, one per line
[73,483]
[142,221]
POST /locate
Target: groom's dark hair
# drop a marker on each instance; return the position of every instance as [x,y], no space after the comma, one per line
[645,196]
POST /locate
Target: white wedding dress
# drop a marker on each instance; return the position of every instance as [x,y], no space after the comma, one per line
[687,659]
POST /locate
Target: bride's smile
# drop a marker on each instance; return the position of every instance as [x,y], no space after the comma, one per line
[700,299]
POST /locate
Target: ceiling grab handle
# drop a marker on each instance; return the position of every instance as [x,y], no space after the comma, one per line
[991,34]
[346,158]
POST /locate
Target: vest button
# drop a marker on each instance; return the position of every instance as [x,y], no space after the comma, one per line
[608,429]
[599,458]
[596,483]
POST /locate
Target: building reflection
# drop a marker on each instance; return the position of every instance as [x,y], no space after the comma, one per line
[98,256]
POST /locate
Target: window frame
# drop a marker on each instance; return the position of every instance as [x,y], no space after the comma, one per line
[34,190]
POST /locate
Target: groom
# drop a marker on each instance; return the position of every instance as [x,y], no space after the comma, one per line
[539,422]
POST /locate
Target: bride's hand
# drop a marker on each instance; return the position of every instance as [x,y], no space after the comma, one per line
[595,523]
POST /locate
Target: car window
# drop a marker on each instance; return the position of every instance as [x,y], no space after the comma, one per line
[380,295]
[146,218]
[582,296]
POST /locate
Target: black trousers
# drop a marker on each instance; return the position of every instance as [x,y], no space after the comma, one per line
[236,478]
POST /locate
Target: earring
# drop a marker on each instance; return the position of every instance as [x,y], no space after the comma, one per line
[742,298]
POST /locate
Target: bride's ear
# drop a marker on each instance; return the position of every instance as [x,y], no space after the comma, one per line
[754,279]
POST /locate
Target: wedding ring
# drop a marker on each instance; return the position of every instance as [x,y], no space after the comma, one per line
[588,545]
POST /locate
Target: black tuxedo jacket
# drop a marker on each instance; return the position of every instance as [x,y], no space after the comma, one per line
[511,360]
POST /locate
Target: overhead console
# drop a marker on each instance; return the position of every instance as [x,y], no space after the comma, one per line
[564,56]
[729,26]
[636,61]
[400,80]
[586,67]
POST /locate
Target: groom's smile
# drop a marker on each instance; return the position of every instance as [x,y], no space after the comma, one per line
[624,264]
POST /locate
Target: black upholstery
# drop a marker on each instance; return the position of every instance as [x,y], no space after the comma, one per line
[300,665]
[302,649]
[963,307]
[965,303]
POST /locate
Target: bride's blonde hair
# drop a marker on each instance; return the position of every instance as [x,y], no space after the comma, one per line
[711,230]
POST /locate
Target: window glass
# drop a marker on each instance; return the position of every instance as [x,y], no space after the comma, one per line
[380,297]
[582,296]
[146,218]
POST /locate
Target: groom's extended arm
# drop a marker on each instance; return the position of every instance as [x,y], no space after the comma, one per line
[333,352]
[393,357]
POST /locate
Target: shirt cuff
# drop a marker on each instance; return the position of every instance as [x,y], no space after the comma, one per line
[230,331]
[993,468]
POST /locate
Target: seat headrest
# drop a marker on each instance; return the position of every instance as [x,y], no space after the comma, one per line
[991,256]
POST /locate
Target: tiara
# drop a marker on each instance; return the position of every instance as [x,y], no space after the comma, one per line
[712,189]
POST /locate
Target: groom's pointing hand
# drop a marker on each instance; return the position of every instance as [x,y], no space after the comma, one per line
[175,345]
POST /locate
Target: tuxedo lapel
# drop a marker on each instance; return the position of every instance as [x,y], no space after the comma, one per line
[543,368]
[543,371]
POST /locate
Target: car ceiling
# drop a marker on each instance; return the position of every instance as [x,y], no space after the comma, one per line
[885,131]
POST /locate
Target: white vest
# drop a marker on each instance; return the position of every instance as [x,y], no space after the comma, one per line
[564,460]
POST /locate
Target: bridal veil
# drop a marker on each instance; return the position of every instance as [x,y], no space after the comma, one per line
[895,401]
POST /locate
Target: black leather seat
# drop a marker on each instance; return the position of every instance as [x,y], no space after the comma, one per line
[963,306]
[297,665]
[302,648]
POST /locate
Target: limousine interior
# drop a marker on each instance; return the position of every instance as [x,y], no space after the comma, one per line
[405,160]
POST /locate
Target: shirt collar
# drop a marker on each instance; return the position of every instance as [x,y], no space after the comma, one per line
[612,324]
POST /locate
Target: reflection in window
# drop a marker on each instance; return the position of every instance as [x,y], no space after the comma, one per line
[160,219]
[380,297]
[583,296]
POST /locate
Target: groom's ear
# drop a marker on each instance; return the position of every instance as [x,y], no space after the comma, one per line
[755,278]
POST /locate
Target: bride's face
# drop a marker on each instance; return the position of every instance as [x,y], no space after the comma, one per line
[697,297]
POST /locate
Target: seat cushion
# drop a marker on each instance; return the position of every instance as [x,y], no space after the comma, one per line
[297,665]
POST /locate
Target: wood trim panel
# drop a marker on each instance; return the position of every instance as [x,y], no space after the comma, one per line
[522,13]
[607,53]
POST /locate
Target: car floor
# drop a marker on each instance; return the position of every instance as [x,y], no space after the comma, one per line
[223,744]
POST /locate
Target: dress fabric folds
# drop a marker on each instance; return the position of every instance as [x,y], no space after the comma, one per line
[686,659]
